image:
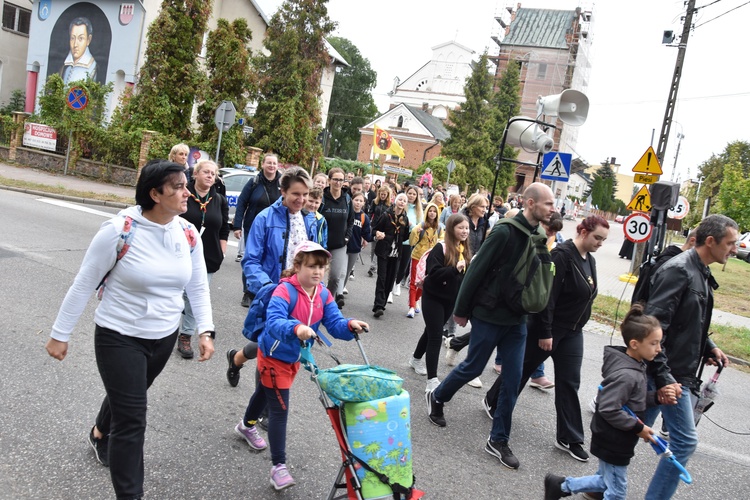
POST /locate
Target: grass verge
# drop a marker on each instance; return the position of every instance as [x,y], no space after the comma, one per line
[60,189]
[733,340]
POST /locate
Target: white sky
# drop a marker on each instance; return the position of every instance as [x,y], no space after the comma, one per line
[630,75]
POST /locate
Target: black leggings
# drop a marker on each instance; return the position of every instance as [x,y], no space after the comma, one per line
[404,264]
[386,276]
[435,312]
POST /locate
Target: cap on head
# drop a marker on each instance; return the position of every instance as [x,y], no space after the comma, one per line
[310,246]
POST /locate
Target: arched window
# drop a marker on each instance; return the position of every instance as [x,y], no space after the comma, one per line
[400,122]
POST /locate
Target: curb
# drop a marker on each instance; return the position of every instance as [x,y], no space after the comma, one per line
[74,199]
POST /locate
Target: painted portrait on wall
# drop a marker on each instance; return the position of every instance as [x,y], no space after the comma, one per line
[79,44]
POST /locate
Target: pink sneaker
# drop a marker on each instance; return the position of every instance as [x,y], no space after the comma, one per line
[252,436]
[280,477]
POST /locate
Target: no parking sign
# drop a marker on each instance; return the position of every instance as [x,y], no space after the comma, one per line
[637,227]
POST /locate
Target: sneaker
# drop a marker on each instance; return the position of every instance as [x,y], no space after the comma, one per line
[263,420]
[410,314]
[498,369]
[246,300]
[432,384]
[280,477]
[663,431]
[183,346]
[475,382]
[592,405]
[541,383]
[397,289]
[346,292]
[553,487]
[378,313]
[575,450]
[252,436]
[340,301]
[418,365]
[100,447]
[450,354]
[370,273]
[502,452]
[390,298]
[490,411]
[417,309]
[238,258]
[351,275]
[233,372]
[434,410]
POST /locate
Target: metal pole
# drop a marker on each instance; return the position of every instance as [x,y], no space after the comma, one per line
[680,136]
[221,130]
[67,154]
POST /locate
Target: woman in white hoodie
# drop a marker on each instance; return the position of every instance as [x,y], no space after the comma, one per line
[145,256]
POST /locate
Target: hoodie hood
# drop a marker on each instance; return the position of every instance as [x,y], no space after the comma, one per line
[616,358]
[427,208]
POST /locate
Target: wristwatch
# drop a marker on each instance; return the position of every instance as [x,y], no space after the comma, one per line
[210,333]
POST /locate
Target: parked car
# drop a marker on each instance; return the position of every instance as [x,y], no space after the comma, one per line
[620,219]
[743,247]
[235,179]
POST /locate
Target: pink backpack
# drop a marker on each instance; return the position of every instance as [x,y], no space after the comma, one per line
[421,273]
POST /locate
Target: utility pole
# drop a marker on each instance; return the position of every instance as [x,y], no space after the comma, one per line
[672,100]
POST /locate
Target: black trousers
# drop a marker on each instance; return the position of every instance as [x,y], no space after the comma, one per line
[404,264]
[128,367]
[435,313]
[384,284]
[567,354]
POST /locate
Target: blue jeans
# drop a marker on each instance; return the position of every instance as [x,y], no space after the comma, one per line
[610,479]
[683,439]
[268,397]
[188,324]
[510,340]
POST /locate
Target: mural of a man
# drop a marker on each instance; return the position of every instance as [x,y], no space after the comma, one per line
[80,63]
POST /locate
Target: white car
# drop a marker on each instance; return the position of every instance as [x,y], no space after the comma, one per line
[235,180]
[743,247]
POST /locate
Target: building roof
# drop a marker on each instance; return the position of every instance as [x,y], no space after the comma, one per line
[434,125]
[540,28]
[337,58]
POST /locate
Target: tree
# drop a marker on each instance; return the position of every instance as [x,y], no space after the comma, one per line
[439,167]
[506,103]
[288,117]
[603,189]
[352,104]
[231,77]
[471,125]
[734,193]
[16,102]
[171,76]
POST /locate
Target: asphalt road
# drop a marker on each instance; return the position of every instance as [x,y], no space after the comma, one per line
[47,407]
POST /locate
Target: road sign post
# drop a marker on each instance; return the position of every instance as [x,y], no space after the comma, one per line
[450,167]
[224,119]
[637,227]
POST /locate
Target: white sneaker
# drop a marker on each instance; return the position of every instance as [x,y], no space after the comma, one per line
[432,384]
[390,298]
[417,309]
[397,289]
[346,292]
[418,365]
[475,383]
[410,314]
[450,356]
[592,405]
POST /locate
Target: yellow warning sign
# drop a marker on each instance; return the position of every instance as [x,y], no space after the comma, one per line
[641,202]
[648,164]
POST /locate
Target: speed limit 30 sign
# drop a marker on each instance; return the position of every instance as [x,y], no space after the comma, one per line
[637,227]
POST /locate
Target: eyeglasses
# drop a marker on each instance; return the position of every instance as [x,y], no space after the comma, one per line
[338,180]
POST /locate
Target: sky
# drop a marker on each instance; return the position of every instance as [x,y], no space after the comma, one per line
[631,71]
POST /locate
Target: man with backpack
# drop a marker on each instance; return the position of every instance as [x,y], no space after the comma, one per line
[497,320]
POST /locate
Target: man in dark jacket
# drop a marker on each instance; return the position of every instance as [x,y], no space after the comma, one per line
[494,325]
[681,298]
[648,270]
[257,195]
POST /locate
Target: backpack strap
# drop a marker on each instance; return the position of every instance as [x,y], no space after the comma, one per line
[187,228]
[123,245]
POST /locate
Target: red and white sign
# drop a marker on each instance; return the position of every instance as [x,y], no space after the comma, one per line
[680,210]
[36,135]
[637,227]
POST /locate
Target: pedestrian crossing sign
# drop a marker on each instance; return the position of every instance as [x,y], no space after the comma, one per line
[556,166]
[641,202]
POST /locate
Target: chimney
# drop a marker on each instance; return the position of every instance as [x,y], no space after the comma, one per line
[425,105]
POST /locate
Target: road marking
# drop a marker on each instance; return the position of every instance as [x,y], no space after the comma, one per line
[73,206]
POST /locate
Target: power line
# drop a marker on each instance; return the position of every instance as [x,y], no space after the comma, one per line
[720,15]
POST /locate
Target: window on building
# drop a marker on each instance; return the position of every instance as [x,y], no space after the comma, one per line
[400,122]
[395,158]
[541,71]
[16,19]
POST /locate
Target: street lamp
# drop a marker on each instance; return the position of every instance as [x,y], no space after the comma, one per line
[571,106]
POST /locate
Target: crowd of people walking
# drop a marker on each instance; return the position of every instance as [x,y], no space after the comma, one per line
[454,256]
